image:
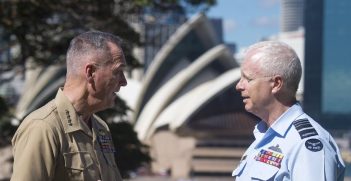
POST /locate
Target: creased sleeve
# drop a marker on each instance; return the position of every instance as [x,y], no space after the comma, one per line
[35,152]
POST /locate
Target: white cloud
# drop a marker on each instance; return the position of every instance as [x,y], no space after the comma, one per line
[269,3]
[265,21]
[229,25]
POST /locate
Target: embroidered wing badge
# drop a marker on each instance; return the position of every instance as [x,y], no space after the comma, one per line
[314,144]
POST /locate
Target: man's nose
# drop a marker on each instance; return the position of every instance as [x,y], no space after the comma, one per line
[239,85]
[123,81]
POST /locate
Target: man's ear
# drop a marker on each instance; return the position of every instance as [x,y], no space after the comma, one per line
[89,72]
[277,83]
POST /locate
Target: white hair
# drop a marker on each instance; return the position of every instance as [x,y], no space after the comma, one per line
[277,58]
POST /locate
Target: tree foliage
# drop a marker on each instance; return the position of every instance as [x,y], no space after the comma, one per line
[43,28]
[6,129]
[130,152]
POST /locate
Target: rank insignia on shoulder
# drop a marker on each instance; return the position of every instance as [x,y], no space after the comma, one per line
[304,128]
[314,144]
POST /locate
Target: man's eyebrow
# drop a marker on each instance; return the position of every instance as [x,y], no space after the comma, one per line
[243,74]
[121,66]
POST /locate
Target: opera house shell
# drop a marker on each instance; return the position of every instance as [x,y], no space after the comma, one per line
[187,109]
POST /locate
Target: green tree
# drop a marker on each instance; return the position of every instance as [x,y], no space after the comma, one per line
[43,28]
[6,129]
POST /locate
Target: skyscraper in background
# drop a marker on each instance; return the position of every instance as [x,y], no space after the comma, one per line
[156,27]
[291,15]
[327,62]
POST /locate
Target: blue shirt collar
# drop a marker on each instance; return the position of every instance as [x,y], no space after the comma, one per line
[282,124]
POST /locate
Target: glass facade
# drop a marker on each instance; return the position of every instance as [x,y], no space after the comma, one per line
[327,94]
[336,72]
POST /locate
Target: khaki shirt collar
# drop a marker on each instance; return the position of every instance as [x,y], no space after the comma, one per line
[68,115]
[97,126]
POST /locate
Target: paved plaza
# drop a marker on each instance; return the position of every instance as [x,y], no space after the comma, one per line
[150,178]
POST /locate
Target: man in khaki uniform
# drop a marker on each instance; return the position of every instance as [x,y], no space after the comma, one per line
[65,140]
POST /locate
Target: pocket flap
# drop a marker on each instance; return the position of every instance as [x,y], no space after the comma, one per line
[263,171]
[77,160]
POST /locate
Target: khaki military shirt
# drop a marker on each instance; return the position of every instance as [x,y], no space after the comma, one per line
[53,144]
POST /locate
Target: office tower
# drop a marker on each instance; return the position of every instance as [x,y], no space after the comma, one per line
[327,62]
[291,15]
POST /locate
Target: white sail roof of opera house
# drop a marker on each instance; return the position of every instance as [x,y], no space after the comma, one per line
[130,92]
[190,40]
[179,112]
[203,69]
[42,83]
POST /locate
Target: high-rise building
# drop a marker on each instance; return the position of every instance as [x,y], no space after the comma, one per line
[327,62]
[157,28]
[218,27]
[291,15]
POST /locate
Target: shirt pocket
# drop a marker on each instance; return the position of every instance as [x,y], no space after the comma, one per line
[238,171]
[110,168]
[76,163]
[110,159]
[263,171]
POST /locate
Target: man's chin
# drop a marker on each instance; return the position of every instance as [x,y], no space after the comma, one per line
[247,108]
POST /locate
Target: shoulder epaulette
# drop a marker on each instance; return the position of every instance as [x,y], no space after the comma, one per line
[304,127]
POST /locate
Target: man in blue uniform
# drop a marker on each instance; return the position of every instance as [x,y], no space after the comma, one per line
[289,144]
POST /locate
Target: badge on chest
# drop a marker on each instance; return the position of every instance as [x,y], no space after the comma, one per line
[272,156]
[105,142]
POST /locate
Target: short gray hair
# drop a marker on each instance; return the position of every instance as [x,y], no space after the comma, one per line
[91,43]
[278,58]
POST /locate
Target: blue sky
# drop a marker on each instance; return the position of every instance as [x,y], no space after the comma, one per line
[247,21]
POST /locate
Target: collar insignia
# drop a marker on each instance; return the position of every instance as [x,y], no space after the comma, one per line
[68,118]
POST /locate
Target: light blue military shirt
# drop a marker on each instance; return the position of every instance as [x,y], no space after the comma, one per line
[295,147]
